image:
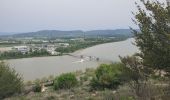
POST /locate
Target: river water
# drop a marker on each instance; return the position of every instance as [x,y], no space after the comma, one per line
[39,67]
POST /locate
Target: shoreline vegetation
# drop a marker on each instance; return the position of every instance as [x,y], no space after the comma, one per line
[73,47]
[19,55]
[86,44]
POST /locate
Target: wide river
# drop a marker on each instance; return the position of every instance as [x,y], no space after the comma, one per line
[39,67]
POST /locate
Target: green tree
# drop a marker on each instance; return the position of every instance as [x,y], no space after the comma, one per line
[153,39]
[10,81]
[137,75]
[108,76]
[65,81]
[37,87]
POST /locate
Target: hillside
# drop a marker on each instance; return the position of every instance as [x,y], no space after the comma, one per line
[74,33]
[6,33]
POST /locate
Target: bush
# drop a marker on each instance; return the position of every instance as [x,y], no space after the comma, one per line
[10,81]
[37,87]
[108,76]
[65,81]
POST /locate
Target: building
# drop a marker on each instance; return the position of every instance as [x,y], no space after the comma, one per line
[64,44]
[51,49]
[22,49]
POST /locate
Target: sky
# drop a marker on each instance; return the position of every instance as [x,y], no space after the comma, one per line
[34,15]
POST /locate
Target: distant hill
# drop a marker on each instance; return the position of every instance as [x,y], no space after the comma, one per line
[50,33]
[110,33]
[6,33]
[74,33]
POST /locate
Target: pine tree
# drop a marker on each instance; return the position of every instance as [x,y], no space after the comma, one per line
[153,39]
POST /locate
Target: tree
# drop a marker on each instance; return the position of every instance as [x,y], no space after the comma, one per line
[137,76]
[10,81]
[153,39]
[65,81]
[108,76]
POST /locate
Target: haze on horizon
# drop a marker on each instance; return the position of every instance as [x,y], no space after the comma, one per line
[34,15]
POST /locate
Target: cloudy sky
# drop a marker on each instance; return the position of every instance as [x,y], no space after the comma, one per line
[34,15]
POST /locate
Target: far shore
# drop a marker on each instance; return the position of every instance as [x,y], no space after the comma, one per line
[64,54]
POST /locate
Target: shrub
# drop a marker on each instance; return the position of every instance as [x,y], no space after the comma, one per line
[108,76]
[37,87]
[84,78]
[65,81]
[10,81]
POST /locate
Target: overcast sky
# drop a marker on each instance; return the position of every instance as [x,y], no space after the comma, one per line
[34,15]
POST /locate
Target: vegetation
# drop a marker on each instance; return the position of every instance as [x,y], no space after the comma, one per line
[17,54]
[153,39]
[10,82]
[77,45]
[134,74]
[37,87]
[138,77]
[81,91]
[65,81]
[71,34]
[108,76]
[74,45]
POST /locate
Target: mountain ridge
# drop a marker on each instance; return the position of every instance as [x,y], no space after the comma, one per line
[73,33]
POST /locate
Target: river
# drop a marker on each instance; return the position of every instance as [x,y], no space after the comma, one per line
[39,67]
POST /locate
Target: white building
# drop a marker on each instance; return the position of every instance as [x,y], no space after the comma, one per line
[22,49]
[51,49]
[64,44]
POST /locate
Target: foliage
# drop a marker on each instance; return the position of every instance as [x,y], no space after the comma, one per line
[108,76]
[137,75]
[65,81]
[40,52]
[153,39]
[76,45]
[13,55]
[37,87]
[10,81]
[135,69]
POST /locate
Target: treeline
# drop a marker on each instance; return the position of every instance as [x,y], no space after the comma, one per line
[75,47]
[17,54]
[86,43]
